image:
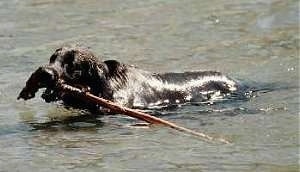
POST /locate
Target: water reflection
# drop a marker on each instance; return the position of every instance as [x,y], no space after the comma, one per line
[87,121]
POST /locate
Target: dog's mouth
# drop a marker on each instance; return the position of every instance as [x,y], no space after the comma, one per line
[43,77]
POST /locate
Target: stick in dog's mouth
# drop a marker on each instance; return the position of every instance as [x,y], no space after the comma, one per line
[43,77]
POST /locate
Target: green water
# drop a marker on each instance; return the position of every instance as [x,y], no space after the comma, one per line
[254,41]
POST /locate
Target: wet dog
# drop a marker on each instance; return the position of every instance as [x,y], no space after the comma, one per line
[124,84]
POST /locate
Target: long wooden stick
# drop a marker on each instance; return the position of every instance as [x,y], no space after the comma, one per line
[114,107]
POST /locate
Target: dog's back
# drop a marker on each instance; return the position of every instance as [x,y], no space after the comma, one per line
[143,89]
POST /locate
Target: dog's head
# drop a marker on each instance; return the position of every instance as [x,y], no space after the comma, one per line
[71,65]
[76,65]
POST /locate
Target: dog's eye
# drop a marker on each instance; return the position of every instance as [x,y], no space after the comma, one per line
[73,71]
[76,74]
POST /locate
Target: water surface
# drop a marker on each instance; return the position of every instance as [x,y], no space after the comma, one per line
[256,42]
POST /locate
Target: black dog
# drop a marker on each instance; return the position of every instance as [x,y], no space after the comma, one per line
[125,84]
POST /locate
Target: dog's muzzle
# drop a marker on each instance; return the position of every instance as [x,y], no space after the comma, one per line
[43,77]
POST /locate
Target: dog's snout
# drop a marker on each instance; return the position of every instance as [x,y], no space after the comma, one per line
[47,76]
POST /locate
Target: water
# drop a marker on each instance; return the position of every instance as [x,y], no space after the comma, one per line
[256,42]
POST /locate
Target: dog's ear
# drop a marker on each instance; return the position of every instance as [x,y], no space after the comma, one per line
[100,71]
[102,87]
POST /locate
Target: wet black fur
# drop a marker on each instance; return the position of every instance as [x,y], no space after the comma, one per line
[126,84]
